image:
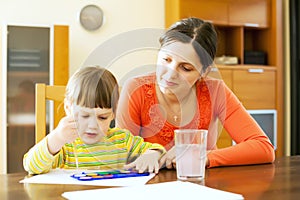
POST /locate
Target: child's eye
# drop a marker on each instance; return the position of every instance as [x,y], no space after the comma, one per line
[102,118]
[84,116]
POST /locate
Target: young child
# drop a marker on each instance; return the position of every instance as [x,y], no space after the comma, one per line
[84,139]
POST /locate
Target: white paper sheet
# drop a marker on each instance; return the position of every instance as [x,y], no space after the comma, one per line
[168,190]
[62,176]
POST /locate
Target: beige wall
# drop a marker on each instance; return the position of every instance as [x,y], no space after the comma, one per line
[120,16]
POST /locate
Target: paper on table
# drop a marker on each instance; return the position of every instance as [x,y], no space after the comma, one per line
[62,176]
[168,190]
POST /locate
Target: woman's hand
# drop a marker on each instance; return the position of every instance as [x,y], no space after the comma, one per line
[146,161]
[65,132]
[169,159]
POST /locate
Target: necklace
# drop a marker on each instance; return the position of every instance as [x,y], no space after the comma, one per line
[174,109]
[175,118]
[172,115]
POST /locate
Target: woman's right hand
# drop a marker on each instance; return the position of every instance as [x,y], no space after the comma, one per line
[65,132]
[169,159]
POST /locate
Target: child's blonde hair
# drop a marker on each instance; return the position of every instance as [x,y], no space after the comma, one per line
[93,87]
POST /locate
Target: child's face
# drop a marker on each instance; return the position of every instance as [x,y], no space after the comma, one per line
[92,123]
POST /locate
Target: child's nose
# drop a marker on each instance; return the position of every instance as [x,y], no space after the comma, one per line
[93,123]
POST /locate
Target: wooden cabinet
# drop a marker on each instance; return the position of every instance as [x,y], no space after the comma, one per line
[255,87]
[254,13]
[191,8]
[244,26]
[29,54]
[230,42]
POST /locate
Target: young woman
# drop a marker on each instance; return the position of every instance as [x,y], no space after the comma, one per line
[181,95]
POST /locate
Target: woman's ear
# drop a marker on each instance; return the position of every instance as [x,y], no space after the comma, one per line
[206,72]
[67,107]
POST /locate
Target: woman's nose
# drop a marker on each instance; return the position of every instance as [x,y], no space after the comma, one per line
[171,70]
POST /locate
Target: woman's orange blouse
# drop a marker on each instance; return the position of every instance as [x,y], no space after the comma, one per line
[139,111]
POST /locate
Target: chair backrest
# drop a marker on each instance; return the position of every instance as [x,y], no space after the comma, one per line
[44,93]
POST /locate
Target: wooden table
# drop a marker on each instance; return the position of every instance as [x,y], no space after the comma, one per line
[280,180]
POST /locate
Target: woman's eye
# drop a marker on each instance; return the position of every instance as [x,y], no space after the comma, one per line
[186,68]
[84,116]
[167,59]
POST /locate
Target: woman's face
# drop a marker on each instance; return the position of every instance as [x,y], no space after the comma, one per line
[178,68]
[92,123]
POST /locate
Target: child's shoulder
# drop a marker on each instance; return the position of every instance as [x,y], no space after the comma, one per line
[117,132]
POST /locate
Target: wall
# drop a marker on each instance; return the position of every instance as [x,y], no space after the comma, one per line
[121,16]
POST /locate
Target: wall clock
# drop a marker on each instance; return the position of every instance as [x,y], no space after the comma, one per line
[91,17]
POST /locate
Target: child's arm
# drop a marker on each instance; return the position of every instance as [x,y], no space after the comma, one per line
[44,155]
[148,160]
[39,160]
[148,154]
[65,132]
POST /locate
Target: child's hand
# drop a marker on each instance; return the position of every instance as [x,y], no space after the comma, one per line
[65,132]
[148,160]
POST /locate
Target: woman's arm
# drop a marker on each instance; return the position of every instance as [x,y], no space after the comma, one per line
[129,107]
[252,144]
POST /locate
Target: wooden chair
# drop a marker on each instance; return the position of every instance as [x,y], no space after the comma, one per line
[44,93]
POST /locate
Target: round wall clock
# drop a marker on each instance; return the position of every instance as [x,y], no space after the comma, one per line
[91,17]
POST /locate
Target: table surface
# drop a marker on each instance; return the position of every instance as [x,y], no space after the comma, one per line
[280,180]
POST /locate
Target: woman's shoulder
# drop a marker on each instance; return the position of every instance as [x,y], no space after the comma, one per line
[214,82]
[139,83]
[216,87]
[142,79]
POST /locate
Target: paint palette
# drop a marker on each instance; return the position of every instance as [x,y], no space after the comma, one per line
[89,176]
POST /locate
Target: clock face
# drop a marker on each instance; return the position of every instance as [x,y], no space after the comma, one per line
[91,17]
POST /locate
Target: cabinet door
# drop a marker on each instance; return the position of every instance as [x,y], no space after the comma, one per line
[249,13]
[29,59]
[255,87]
[221,73]
[213,10]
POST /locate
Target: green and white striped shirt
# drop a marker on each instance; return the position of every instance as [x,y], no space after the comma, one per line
[119,147]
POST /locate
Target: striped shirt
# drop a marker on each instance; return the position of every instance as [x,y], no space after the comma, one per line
[118,148]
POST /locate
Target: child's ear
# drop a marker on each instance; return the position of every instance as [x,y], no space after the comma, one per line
[67,107]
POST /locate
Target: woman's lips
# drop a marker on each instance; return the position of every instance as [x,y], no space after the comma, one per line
[169,83]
